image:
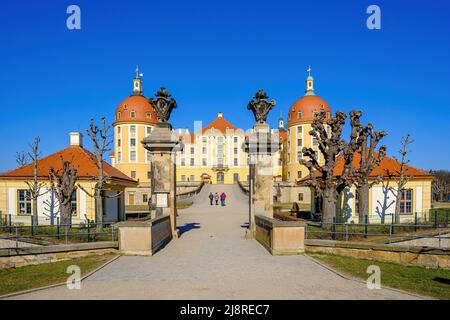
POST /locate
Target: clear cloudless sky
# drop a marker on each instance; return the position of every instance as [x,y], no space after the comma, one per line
[214,55]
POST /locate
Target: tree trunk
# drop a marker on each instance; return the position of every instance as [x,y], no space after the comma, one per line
[99,210]
[397,206]
[35,212]
[65,210]
[328,206]
[363,203]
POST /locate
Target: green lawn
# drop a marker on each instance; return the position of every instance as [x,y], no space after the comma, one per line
[35,276]
[428,282]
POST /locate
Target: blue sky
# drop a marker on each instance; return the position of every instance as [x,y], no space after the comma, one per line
[214,55]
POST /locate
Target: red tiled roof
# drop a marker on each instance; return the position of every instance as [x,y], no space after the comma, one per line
[80,158]
[387,165]
[219,124]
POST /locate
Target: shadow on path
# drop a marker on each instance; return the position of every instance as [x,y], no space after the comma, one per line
[188,226]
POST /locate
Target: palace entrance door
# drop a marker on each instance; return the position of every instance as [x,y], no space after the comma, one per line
[220,177]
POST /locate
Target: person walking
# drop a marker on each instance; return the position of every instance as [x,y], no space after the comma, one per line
[216,198]
[223,196]
[211,197]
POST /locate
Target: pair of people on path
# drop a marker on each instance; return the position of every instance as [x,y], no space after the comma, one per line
[216,198]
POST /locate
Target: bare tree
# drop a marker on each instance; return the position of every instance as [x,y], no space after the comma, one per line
[51,206]
[35,185]
[401,176]
[63,182]
[328,132]
[21,159]
[369,139]
[101,143]
[441,185]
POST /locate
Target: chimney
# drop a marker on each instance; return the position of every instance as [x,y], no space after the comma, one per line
[219,115]
[76,139]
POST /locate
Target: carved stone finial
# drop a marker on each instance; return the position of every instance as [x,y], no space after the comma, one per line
[163,104]
[260,106]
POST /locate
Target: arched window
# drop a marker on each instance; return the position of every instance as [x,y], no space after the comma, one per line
[125,106]
[119,115]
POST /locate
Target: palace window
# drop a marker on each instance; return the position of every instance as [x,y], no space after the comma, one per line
[204,162]
[183,162]
[119,142]
[235,139]
[235,161]
[118,130]
[125,106]
[133,174]
[119,115]
[24,201]
[192,150]
[299,142]
[133,142]
[192,177]
[133,129]
[119,156]
[299,156]
[406,201]
[204,139]
[299,130]
[299,115]
[192,161]
[133,114]
[149,130]
[73,203]
[183,177]
[235,150]
[300,197]
[132,155]
[144,198]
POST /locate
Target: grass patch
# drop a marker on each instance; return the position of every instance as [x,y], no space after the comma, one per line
[184,205]
[428,282]
[35,276]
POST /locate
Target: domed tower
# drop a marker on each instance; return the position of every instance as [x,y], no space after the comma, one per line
[300,117]
[134,120]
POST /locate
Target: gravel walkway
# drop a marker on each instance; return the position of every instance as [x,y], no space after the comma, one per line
[213,260]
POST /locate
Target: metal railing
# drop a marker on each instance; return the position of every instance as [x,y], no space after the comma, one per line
[15,236]
[381,233]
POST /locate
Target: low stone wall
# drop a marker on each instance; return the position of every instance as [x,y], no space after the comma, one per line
[280,237]
[417,256]
[19,257]
[144,237]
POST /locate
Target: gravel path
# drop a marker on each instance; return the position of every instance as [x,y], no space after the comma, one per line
[213,260]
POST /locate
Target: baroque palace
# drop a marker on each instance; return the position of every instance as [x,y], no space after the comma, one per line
[214,154]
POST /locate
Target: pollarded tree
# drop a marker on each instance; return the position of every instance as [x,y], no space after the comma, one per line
[441,185]
[101,143]
[328,132]
[369,139]
[63,183]
[401,175]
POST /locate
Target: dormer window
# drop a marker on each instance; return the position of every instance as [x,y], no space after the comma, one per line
[133,114]
[299,115]
[125,106]
[293,108]
[148,115]
[322,108]
[119,115]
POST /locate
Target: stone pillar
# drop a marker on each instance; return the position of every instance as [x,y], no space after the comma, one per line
[163,144]
[260,146]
